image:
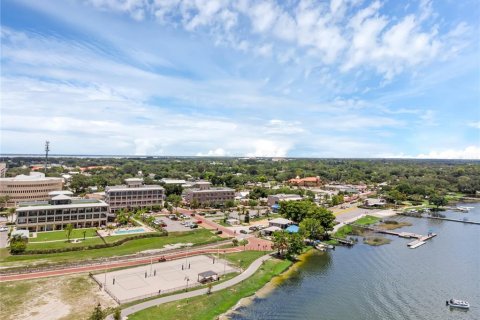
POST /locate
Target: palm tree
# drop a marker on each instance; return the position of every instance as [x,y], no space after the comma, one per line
[68,230]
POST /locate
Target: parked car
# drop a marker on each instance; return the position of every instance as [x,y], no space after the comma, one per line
[219,232]
[253,228]
[243,231]
[3,229]
[173,217]
[193,226]
[198,221]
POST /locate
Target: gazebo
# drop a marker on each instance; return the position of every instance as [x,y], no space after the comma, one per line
[207,276]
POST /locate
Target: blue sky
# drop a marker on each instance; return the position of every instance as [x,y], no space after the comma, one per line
[242,78]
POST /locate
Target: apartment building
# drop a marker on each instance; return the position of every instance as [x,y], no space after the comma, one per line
[33,187]
[134,194]
[204,194]
[277,198]
[59,211]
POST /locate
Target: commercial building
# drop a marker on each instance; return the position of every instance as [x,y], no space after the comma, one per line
[60,211]
[306,182]
[281,223]
[34,187]
[374,202]
[134,194]
[277,198]
[203,194]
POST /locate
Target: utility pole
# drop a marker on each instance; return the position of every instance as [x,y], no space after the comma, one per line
[47,148]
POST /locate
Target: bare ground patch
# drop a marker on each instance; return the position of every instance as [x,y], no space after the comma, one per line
[66,297]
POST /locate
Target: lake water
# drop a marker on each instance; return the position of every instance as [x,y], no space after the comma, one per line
[386,282]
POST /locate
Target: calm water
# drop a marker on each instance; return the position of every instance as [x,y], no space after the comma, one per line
[386,282]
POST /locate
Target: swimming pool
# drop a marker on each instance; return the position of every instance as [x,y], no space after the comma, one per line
[129,231]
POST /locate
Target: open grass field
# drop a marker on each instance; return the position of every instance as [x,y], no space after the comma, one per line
[245,258]
[367,220]
[199,236]
[62,235]
[207,307]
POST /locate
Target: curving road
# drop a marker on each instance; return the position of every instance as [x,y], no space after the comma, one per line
[155,302]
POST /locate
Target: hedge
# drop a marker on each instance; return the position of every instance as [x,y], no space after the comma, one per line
[96,246]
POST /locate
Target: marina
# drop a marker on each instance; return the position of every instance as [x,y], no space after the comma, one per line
[379,282]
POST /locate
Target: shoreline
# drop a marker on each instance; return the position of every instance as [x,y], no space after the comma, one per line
[268,288]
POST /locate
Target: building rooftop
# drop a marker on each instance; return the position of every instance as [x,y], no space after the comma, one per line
[173,181]
[76,203]
[211,189]
[127,188]
[59,192]
[33,176]
[280,221]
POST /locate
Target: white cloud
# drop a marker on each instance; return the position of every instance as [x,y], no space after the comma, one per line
[470,152]
[219,152]
[268,148]
[475,124]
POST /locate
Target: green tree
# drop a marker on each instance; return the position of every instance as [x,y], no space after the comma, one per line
[117,314]
[175,200]
[247,217]
[243,243]
[312,228]
[437,200]
[18,244]
[295,245]
[173,189]
[10,213]
[299,210]
[97,313]
[235,242]
[68,231]
[280,242]
[3,201]
[79,183]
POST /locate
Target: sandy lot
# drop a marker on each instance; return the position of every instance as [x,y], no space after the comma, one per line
[65,297]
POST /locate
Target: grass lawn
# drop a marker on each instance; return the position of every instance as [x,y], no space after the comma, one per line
[246,257]
[199,236]
[367,220]
[207,307]
[343,231]
[62,235]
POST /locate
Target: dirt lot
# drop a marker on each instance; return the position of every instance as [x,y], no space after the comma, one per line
[66,297]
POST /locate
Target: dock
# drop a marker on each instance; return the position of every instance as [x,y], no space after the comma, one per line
[420,239]
[454,220]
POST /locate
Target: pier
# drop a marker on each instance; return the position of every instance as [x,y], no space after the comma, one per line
[454,220]
[420,239]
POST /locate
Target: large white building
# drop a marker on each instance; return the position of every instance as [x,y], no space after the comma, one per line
[134,194]
[60,211]
[33,187]
[203,194]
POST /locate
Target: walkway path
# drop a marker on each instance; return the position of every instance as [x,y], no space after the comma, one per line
[117,264]
[155,302]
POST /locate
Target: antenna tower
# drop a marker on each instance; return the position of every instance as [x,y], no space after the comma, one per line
[47,148]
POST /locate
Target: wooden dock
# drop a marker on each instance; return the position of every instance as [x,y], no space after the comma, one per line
[420,239]
[454,220]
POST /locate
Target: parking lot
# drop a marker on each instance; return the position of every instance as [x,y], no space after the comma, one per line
[161,277]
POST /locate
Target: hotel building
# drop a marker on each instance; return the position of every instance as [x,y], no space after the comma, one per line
[134,194]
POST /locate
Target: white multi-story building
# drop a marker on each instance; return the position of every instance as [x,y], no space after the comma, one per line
[202,193]
[134,194]
[60,211]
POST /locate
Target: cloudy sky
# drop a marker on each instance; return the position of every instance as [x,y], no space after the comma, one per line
[339,78]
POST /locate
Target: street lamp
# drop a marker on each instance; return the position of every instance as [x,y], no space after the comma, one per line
[187,279]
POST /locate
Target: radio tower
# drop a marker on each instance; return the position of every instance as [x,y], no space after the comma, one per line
[47,148]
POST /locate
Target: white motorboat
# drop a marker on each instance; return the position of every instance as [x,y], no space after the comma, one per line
[454,303]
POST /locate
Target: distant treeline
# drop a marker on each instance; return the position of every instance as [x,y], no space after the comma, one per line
[405,178]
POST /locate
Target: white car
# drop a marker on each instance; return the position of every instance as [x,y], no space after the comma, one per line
[3,229]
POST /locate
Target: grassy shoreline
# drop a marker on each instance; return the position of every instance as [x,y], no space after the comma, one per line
[217,303]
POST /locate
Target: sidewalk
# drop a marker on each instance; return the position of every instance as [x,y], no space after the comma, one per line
[144,305]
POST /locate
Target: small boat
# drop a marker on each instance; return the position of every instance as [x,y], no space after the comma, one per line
[454,303]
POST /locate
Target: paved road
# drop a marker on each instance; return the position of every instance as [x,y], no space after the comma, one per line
[151,303]
[116,264]
[3,239]
[254,243]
